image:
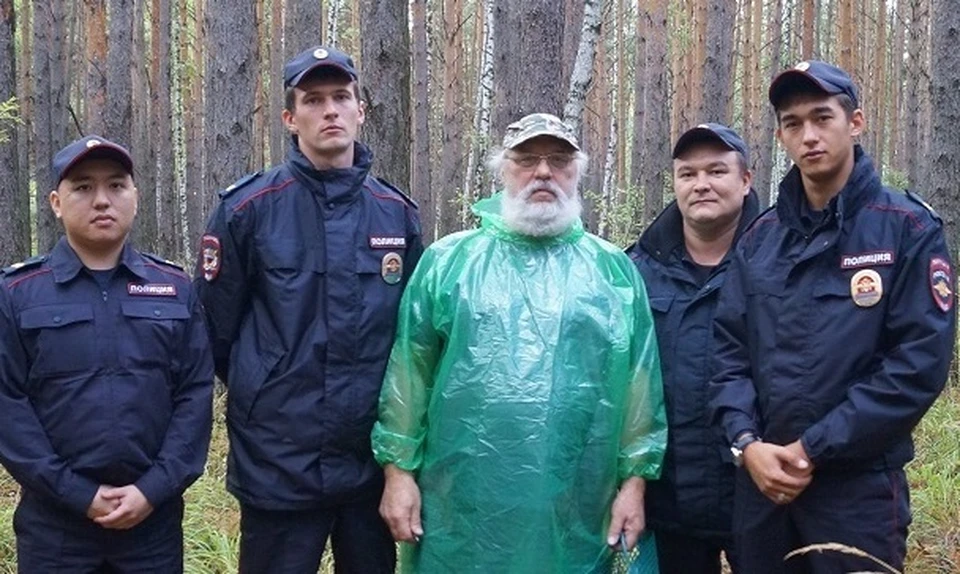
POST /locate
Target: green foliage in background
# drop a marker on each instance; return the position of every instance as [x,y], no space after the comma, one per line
[9,118]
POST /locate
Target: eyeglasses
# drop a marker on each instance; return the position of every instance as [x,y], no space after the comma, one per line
[532,160]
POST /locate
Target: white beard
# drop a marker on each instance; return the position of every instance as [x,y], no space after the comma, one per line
[540,218]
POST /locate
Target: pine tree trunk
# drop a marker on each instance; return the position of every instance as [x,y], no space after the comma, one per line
[119,118]
[717,86]
[764,158]
[809,29]
[95,92]
[14,217]
[49,107]
[656,129]
[231,64]
[143,138]
[168,206]
[945,145]
[451,181]
[279,137]
[638,157]
[303,26]
[385,78]
[25,128]
[915,83]
[527,80]
[421,188]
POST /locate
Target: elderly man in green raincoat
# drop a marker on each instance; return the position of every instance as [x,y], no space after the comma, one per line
[522,409]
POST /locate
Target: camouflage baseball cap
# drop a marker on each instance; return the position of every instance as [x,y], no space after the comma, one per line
[533,125]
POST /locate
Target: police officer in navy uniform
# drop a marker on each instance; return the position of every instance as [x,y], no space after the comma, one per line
[683,257]
[105,383]
[835,331]
[300,272]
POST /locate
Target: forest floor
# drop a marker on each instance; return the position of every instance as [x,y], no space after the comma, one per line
[211,522]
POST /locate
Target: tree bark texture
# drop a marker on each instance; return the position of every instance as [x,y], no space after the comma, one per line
[717,86]
[762,146]
[169,230]
[945,92]
[527,80]
[14,216]
[421,187]
[119,118]
[230,69]
[302,26]
[385,80]
[95,93]
[452,182]
[50,115]
[656,129]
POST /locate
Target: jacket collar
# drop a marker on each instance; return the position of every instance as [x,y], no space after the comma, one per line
[66,265]
[339,185]
[862,185]
[665,234]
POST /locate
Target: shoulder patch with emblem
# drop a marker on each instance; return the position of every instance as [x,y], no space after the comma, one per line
[210,257]
[917,199]
[239,183]
[393,188]
[941,283]
[24,265]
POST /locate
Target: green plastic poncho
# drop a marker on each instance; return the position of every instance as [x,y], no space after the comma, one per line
[523,387]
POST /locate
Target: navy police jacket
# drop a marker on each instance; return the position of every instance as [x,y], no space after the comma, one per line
[301,273]
[694,494]
[102,386]
[838,334]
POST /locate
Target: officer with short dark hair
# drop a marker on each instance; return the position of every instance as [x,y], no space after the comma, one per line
[834,335]
[105,383]
[301,271]
[683,257]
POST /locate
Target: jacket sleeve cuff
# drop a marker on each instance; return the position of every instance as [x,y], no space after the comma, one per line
[814,444]
[79,495]
[154,487]
[736,423]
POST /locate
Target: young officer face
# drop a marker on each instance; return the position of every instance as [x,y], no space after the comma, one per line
[326,118]
[97,202]
[710,185]
[818,137]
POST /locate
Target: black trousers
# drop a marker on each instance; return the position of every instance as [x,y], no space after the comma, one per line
[51,539]
[681,554]
[292,542]
[868,510]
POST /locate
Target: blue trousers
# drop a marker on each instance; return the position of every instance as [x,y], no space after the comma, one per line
[865,509]
[681,554]
[51,539]
[292,542]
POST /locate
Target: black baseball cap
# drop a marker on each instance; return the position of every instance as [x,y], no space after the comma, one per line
[89,147]
[822,76]
[313,58]
[711,132]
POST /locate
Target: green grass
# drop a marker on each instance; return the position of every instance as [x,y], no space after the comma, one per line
[211,523]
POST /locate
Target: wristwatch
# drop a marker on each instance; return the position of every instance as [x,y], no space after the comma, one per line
[740,445]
